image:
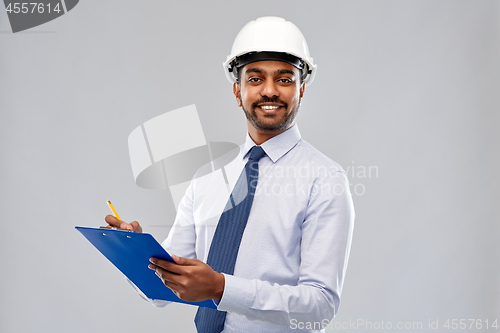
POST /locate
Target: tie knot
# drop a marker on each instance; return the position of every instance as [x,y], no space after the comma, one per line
[257,153]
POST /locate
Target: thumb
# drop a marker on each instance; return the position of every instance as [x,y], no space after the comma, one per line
[179,260]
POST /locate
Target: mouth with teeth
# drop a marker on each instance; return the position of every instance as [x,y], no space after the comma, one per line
[269,110]
[269,107]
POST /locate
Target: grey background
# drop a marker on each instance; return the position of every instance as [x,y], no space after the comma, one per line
[410,87]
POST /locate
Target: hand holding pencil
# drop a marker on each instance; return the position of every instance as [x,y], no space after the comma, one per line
[116,222]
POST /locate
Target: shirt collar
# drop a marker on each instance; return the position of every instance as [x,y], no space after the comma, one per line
[277,146]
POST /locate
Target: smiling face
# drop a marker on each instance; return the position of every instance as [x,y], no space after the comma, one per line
[269,93]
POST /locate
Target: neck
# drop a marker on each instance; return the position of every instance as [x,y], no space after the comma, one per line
[259,136]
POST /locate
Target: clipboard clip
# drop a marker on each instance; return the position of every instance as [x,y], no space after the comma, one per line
[115,228]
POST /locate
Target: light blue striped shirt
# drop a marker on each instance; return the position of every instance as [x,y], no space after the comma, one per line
[294,251]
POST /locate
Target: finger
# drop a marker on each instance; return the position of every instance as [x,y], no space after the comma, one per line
[155,267]
[125,225]
[167,276]
[176,293]
[113,221]
[172,287]
[185,261]
[166,265]
[136,227]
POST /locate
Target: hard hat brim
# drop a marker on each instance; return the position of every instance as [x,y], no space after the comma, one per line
[250,57]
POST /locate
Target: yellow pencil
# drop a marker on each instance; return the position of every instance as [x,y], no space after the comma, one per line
[114,211]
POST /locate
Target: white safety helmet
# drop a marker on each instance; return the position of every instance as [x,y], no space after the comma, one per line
[270,38]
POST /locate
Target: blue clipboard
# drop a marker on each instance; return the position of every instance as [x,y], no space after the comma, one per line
[130,253]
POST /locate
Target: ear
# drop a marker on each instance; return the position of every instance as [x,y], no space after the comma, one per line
[302,89]
[236,92]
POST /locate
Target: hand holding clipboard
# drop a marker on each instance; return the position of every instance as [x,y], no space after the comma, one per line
[139,256]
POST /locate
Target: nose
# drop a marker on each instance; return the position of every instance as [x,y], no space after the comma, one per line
[269,89]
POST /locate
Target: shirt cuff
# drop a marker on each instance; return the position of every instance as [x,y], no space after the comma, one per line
[156,302]
[238,294]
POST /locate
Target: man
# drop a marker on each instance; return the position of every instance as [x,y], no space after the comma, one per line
[290,253]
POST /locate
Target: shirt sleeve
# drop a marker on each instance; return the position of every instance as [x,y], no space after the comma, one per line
[325,243]
[180,241]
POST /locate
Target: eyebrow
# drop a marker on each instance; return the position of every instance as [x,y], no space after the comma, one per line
[285,71]
[280,71]
[253,70]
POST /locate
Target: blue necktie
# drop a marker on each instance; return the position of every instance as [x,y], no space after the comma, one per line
[227,236]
